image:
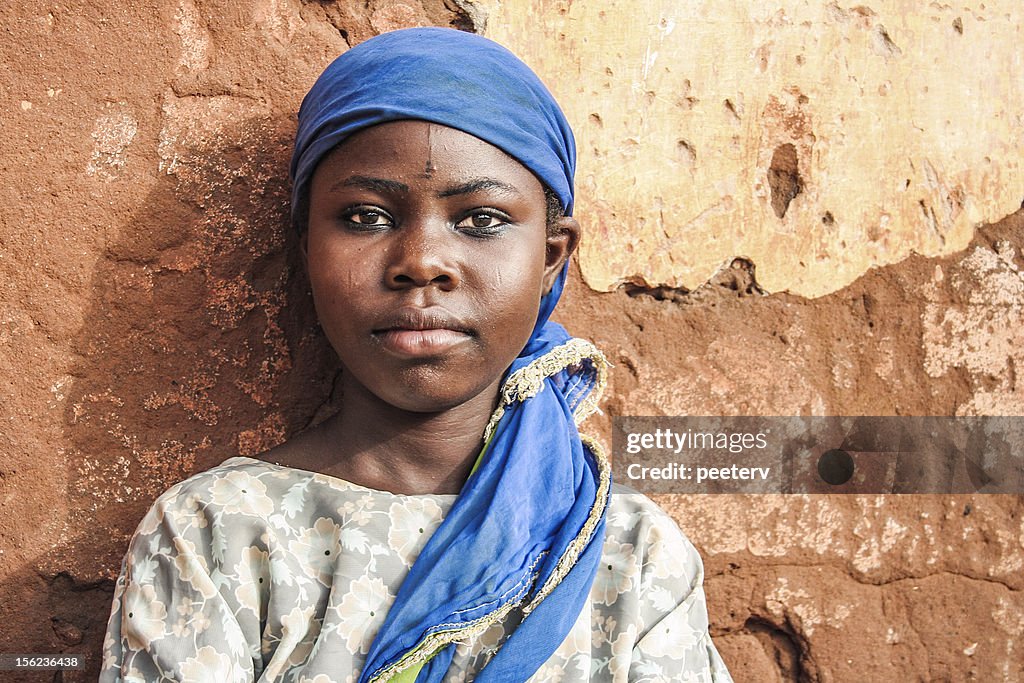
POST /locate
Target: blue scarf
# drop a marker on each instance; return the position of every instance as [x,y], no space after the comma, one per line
[526,531]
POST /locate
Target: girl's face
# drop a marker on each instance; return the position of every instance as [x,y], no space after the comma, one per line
[428,253]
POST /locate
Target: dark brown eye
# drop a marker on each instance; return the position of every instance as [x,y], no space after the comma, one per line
[483,224]
[367,217]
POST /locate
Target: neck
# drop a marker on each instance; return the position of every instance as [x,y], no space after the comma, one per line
[375,444]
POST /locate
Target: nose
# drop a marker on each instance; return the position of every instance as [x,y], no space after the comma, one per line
[421,257]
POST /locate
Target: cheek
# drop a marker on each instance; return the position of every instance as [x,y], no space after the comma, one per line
[513,294]
[339,286]
[507,272]
[334,269]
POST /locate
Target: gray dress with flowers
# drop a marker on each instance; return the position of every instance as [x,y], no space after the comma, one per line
[255,572]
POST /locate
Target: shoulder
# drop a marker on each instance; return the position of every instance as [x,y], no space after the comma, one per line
[658,545]
[649,581]
[632,515]
[238,486]
[223,482]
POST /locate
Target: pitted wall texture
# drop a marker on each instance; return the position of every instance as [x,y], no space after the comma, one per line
[817,138]
[154,319]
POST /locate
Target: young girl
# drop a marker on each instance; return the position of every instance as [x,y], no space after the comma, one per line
[449,523]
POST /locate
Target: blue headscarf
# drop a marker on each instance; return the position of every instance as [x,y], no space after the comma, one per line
[526,531]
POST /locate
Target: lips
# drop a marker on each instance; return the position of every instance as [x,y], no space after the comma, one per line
[417,332]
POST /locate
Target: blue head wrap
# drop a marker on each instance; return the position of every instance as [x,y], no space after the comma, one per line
[526,531]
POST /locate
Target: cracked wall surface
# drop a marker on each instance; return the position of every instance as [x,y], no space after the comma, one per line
[817,138]
[154,319]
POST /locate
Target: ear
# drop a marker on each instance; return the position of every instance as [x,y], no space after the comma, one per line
[562,239]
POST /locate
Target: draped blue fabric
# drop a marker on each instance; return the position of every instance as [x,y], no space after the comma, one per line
[449,77]
[537,484]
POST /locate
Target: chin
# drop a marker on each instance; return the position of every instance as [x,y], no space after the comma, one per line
[426,387]
[427,402]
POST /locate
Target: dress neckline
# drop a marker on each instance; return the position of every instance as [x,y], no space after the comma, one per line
[338,481]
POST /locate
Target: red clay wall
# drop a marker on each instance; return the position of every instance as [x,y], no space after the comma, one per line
[153,322]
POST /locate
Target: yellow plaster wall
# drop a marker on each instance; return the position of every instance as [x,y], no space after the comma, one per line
[905,120]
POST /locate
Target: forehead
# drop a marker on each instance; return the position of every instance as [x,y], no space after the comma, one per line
[420,150]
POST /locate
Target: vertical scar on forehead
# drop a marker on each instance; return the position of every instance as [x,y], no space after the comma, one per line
[428,168]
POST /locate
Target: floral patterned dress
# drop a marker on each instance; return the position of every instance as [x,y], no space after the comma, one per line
[256,572]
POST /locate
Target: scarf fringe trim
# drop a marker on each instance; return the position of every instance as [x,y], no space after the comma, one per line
[578,544]
[522,384]
[527,382]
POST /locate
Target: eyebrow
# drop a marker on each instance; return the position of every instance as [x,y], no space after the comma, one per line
[478,184]
[385,186]
[380,185]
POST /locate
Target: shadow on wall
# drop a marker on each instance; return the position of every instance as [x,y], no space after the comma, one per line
[201,343]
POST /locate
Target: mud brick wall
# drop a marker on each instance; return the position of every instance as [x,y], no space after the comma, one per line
[792,208]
